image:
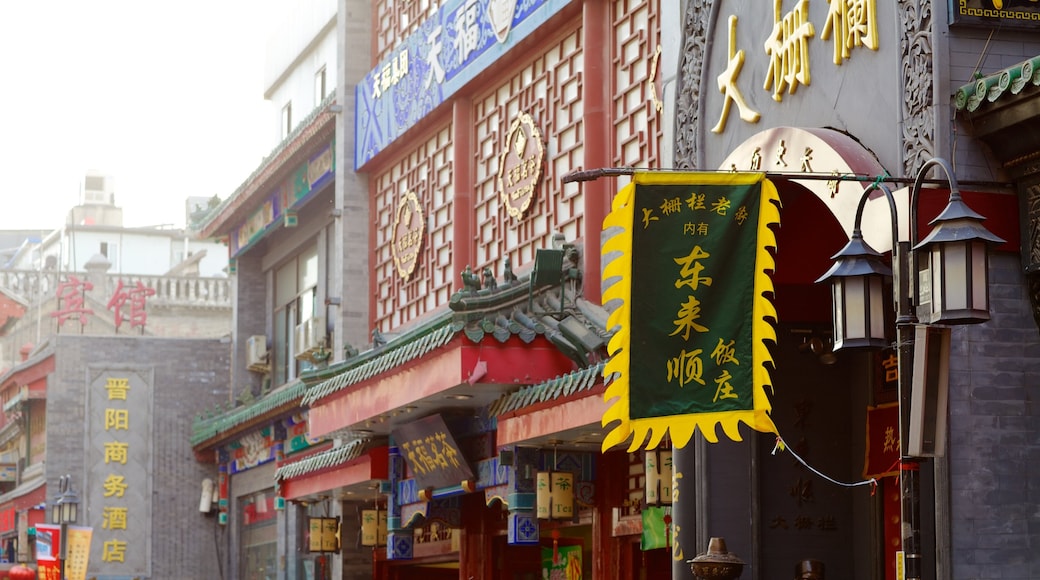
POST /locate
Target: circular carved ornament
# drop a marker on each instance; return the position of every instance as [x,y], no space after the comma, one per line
[407,234]
[520,165]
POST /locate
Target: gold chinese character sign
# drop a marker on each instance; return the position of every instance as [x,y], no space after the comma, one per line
[520,166]
[693,262]
[408,231]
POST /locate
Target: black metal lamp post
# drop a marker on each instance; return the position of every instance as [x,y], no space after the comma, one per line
[64,511]
[953,283]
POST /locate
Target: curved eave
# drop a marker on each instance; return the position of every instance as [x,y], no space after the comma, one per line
[209,432]
[276,167]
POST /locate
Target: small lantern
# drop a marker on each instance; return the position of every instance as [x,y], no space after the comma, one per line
[555,497]
[658,469]
[953,267]
[859,287]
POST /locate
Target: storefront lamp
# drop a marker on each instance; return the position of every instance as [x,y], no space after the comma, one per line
[950,266]
[658,472]
[859,283]
[954,266]
[65,509]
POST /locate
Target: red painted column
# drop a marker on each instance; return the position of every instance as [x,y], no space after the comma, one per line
[462,246]
[476,545]
[598,139]
[609,492]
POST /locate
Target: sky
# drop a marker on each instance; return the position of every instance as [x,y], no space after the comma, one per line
[164,97]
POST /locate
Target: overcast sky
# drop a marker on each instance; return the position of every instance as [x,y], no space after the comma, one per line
[165,97]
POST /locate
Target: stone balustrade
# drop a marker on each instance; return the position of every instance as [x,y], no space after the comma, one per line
[32,286]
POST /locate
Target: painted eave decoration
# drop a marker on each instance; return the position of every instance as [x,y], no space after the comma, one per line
[690,273]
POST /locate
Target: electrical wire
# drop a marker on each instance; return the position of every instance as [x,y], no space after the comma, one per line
[781,445]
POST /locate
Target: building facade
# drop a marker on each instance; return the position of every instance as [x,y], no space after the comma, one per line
[457,283]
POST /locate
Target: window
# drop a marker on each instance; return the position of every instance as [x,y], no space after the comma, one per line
[296,295]
[320,90]
[287,126]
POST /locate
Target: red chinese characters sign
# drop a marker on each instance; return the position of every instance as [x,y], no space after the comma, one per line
[882,441]
[72,301]
[128,304]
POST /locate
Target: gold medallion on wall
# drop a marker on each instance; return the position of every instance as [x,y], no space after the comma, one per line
[520,165]
[407,235]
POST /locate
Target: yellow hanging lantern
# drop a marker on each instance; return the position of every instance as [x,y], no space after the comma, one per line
[555,497]
[658,469]
[373,527]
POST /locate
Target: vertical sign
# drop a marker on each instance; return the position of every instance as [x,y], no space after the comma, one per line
[119,453]
[693,261]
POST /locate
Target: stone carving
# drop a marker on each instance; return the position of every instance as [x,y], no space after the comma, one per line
[687,110]
[916,48]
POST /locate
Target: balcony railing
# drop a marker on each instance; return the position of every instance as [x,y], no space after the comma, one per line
[33,286]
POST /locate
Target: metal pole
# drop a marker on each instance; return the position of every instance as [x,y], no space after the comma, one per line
[63,552]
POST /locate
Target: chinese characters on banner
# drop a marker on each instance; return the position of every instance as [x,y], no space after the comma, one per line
[693,278]
[48,550]
[127,303]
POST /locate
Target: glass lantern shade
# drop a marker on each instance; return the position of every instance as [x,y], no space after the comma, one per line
[69,511]
[956,276]
[859,289]
[56,511]
[859,312]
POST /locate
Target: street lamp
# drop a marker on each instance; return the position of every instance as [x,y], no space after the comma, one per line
[64,511]
[952,288]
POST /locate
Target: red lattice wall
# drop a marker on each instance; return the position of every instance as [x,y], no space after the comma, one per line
[426,170]
[637,123]
[550,90]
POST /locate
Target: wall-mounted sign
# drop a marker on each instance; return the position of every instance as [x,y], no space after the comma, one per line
[461,39]
[520,165]
[997,12]
[432,454]
[407,235]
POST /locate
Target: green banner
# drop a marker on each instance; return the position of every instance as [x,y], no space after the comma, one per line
[657,528]
[693,271]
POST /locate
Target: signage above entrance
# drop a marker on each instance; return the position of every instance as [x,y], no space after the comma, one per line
[463,38]
[432,455]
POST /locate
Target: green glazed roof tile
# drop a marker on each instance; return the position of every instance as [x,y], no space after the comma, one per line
[331,458]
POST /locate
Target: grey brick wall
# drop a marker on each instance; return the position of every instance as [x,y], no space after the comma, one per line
[994,449]
[189,376]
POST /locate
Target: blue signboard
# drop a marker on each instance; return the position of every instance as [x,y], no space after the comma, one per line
[447,51]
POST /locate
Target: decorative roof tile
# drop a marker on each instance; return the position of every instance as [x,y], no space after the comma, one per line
[989,89]
[332,458]
[205,429]
[559,387]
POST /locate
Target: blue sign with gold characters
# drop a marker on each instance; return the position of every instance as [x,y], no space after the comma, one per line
[460,40]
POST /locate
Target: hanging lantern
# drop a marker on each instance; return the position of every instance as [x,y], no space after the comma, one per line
[555,497]
[953,267]
[373,527]
[859,284]
[658,469]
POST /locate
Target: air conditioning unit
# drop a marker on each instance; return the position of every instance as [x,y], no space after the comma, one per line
[310,338]
[256,353]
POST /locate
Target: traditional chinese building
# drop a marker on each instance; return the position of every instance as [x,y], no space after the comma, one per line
[455,386]
[867,89]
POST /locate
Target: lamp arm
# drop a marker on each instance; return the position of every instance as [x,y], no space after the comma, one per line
[900,268]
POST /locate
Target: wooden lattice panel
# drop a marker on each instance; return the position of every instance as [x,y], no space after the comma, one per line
[427,171]
[549,88]
[637,122]
[396,20]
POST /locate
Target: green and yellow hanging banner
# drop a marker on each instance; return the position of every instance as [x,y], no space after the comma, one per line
[690,266]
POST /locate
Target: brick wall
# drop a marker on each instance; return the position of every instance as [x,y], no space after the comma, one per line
[994,445]
[188,377]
